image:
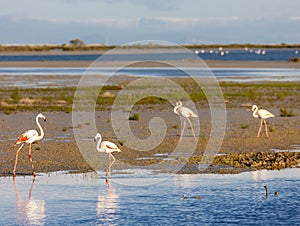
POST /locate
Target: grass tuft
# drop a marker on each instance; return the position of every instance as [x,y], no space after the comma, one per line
[135,117]
[244,126]
[286,113]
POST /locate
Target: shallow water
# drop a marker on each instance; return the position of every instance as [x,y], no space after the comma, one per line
[56,77]
[145,71]
[87,199]
[213,54]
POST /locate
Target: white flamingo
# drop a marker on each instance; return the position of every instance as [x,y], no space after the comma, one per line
[29,137]
[107,147]
[263,114]
[185,113]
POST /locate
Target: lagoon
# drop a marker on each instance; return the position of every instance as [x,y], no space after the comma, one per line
[60,77]
[146,197]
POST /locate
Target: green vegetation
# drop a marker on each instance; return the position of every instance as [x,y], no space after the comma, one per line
[271,129]
[285,94]
[135,117]
[286,113]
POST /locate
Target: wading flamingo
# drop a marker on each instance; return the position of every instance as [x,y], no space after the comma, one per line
[263,114]
[29,137]
[107,147]
[185,113]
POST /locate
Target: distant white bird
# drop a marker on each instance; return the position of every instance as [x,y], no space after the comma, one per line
[263,114]
[258,51]
[185,113]
[107,147]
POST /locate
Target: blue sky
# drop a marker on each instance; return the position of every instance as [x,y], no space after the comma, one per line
[123,21]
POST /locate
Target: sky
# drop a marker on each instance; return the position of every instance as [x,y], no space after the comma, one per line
[123,21]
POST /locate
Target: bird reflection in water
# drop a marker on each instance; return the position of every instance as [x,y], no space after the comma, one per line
[108,205]
[29,212]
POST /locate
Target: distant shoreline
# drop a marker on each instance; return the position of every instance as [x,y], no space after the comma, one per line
[100,47]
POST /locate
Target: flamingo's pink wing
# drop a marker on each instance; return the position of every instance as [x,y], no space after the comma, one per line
[26,136]
[110,147]
[22,138]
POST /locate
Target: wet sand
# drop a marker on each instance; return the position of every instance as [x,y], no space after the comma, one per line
[59,151]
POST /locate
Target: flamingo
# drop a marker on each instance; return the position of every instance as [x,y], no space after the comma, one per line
[185,113]
[107,147]
[29,137]
[263,114]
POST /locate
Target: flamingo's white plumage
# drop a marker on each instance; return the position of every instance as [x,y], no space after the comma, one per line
[185,113]
[107,147]
[29,137]
[263,115]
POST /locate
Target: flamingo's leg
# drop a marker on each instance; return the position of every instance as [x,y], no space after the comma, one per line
[266,128]
[261,123]
[110,163]
[114,159]
[182,130]
[192,128]
[30,159]
[16,161]
[108,169]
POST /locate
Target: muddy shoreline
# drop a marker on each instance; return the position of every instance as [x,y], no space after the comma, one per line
[59,150]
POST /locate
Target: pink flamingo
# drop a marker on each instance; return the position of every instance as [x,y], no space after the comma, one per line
[263,114]
[185,113]
[29,137]
[107,147]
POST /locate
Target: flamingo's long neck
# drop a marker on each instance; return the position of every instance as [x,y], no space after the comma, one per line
[41,129]
[175,110]
[255,112]
[178,105]
[98,143]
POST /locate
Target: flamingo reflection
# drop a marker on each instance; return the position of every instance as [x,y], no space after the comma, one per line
[29,212]
[107,205]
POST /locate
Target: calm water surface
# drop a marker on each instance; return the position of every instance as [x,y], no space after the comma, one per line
[134,199]
[212,54]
